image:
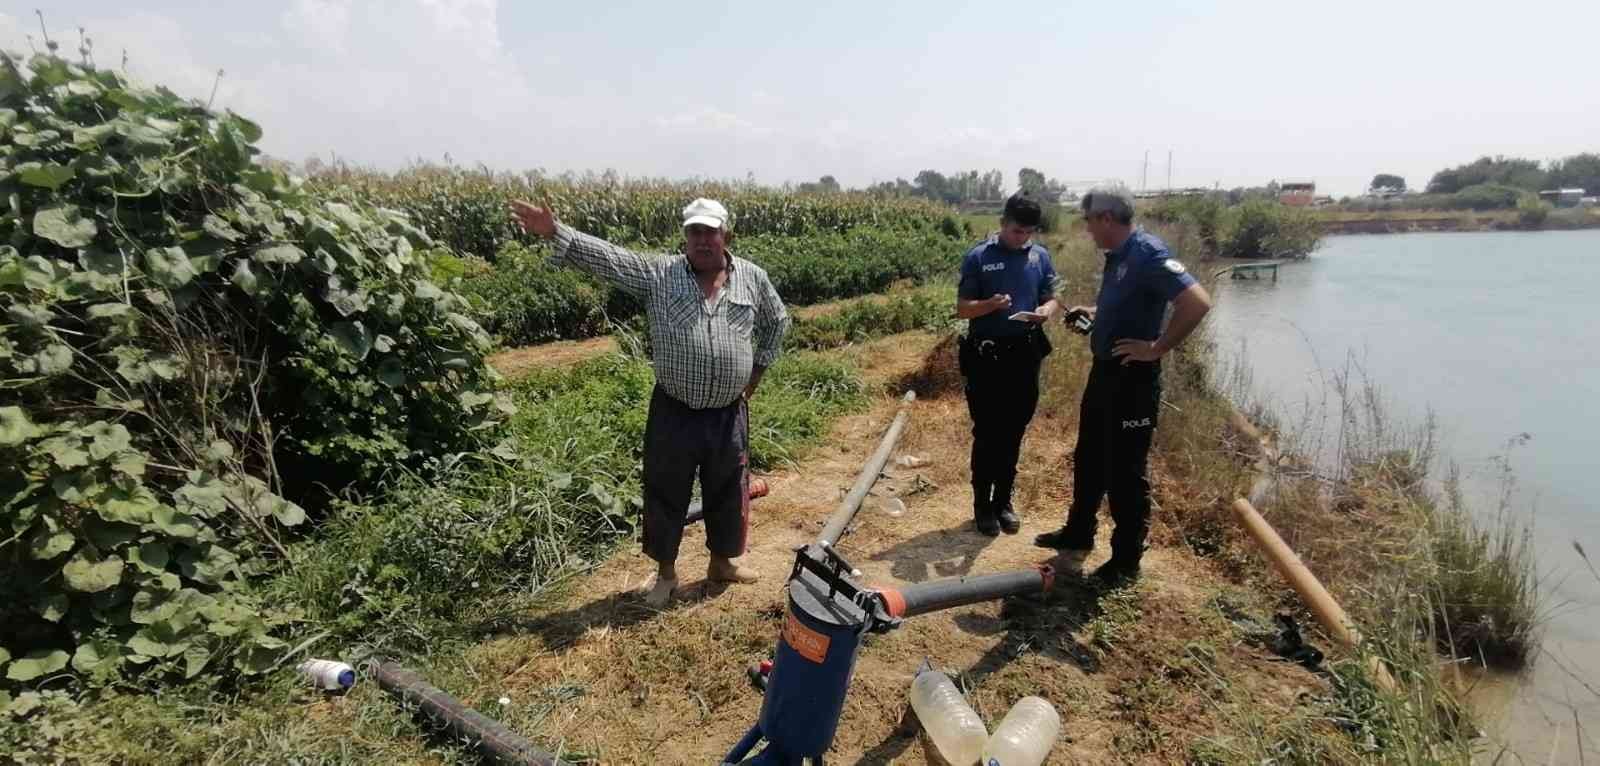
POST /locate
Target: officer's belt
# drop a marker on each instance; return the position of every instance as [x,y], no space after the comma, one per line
[997,348]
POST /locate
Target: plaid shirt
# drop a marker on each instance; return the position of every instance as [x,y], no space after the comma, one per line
[703,351]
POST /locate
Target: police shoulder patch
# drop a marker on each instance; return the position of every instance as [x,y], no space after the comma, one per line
[1173,266]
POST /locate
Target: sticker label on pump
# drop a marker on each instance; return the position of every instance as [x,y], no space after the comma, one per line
[808,643]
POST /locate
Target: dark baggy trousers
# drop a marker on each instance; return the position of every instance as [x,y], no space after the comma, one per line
[1002,387]
[678,442]
[1116,423]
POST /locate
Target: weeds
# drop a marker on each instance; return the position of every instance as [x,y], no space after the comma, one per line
[861,320]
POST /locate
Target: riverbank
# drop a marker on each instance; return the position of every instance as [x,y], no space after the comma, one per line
[1185,667]
[1406,221]
[1437,323]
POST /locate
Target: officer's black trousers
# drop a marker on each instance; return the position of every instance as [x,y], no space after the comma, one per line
[1002,388]
[1116,422]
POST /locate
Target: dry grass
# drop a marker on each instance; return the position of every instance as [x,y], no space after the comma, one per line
[518,362]
[818,310]
[1140,675]
[1152,674]
[1156,673]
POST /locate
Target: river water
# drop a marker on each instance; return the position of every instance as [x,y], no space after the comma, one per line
[1498,335]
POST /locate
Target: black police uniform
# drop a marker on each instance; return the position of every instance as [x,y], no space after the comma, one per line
[1000,361]
[1118,414]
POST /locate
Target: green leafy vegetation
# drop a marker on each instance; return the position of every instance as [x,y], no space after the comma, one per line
[522,299]
[192,350]
[1254,228]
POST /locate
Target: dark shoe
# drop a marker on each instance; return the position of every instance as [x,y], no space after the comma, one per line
[1057,540]
[987,524]
[1115,574]
[1009,521]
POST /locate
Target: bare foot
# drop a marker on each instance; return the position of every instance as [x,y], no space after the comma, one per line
[727,571]
[660,594]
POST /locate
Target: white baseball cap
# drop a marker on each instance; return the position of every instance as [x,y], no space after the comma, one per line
[706,212]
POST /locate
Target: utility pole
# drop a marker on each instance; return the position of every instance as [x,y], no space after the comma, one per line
[1144,174]
[1169,171]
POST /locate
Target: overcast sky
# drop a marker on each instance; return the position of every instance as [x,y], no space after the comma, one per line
[1241,93]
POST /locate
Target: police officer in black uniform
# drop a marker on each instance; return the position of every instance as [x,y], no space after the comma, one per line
[1117,418]
[1007,292]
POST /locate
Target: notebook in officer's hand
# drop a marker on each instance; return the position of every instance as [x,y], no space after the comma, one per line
[1027,316]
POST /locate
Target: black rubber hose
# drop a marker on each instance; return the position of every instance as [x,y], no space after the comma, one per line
[491,739]
[926,597]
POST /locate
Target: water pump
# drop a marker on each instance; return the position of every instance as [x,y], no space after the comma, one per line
[829,612]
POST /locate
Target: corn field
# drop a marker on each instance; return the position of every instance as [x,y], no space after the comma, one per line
[466,210]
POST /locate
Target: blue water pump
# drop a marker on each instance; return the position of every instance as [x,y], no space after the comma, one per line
[829,613]
[827,617]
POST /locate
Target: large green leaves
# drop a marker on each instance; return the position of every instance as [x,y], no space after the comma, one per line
[151,557]
[85,574]
[221,229]
[66,450]
[245,278]
[15,427]
[53,359]
[105,439]
[166,306]
[169,266]
[64,225]
[37,663]
[97,657]
[48,175]
[48,543]
[284,254]
[353,338]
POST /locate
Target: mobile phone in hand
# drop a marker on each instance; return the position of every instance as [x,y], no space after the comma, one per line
[1080,321]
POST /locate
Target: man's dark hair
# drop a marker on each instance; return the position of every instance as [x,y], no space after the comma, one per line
[1022,210]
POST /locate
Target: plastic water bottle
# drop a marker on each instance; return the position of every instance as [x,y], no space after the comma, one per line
[893,507]
[329,675]
[954,726]
[1025,736]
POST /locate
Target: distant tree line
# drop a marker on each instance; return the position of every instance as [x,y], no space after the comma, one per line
[1579,171]
[953,188]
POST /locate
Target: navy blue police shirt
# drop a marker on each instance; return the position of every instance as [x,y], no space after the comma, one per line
[1026,275]
[1140,279]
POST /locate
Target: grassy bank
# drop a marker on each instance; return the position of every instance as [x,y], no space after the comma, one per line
[493,574]
[421,570]
[1428,580]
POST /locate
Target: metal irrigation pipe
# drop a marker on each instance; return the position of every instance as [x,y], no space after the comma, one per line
[846,512]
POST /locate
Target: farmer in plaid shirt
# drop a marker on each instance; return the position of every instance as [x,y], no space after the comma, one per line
[716,324]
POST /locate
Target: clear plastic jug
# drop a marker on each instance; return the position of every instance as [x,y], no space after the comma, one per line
[1025,736]
[952,724]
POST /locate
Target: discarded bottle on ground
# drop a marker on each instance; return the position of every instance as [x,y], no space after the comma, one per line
[952,724]
[1025,736]
[329,675]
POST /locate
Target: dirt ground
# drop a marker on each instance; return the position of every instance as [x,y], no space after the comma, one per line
[1138,675]
[516,362]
